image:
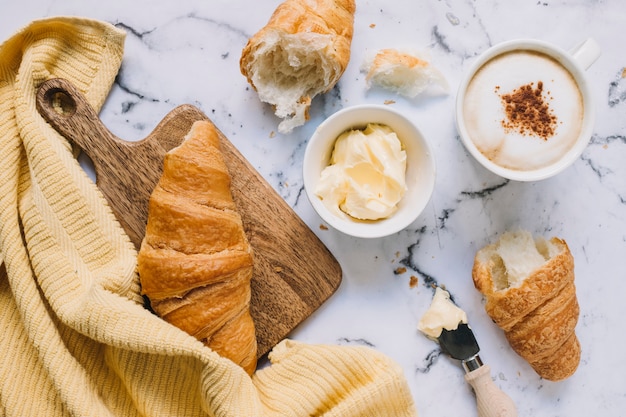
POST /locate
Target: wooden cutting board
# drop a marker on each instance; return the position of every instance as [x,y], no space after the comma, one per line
[294,273]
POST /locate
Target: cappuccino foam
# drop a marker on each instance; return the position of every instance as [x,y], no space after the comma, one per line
[510,138]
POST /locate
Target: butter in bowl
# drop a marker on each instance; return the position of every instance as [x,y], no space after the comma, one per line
[368,171]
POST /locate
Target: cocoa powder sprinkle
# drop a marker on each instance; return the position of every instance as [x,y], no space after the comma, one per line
[527,110]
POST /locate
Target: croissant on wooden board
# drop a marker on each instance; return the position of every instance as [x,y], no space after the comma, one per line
[529,289]
[301,52]
[195,262]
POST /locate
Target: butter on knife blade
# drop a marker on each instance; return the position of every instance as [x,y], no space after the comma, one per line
[447,323]
[442,314]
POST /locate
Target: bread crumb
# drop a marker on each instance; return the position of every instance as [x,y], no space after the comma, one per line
[413,281]
[372,25]
[278,269]
[323,227]
[624,72]
[272,134]
[400,270]
[389,101]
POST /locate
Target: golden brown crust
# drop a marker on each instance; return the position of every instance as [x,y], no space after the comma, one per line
[195,262]
[562,365]
[181,272]
[235,341]
[538,316]
[541,333]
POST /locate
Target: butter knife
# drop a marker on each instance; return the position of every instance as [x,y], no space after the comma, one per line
[461,344]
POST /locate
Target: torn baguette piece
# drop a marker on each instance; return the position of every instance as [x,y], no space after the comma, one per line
[530,294]
[195,262]
[403,72]
[302,51]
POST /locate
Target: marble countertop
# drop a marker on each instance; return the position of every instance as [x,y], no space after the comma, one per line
[188,51]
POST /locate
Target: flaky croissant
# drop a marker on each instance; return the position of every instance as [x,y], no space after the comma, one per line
[301,52]
[529,289]
[195,262]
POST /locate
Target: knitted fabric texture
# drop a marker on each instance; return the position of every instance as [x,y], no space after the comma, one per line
[76,337]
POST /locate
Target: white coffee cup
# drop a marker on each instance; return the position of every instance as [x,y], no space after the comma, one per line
[525,110]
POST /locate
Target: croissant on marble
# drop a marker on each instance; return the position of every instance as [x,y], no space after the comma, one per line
[301,52]
[529,289]
[195,262]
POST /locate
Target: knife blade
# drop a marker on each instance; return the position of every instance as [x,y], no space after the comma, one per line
[461,344]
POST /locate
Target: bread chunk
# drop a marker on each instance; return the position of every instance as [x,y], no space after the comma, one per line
[406,73]
[301,52]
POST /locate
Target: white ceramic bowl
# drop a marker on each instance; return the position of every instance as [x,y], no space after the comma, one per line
[420,174]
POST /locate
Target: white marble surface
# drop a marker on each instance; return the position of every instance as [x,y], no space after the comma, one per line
[187,51]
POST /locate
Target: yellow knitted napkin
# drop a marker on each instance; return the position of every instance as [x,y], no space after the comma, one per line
[76,338]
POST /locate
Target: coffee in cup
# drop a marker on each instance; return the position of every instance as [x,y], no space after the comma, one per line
[524,110]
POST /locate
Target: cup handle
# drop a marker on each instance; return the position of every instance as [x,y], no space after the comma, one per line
[586,53]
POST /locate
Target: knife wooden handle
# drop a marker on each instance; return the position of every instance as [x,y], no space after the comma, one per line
[490,400]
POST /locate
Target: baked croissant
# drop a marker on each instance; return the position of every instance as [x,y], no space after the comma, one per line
[301,52]
[529,289]
[195,262]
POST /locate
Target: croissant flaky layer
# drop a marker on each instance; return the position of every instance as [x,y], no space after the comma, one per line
[529,289]
[195,262]
[301,52]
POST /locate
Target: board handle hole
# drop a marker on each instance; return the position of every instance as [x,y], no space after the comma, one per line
[61,102]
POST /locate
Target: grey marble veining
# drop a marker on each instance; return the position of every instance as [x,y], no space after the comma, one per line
[188,51]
